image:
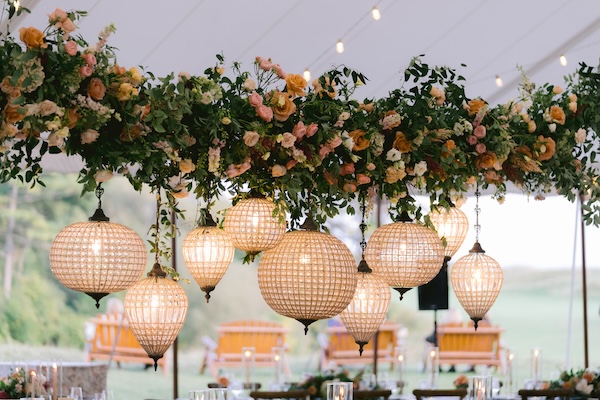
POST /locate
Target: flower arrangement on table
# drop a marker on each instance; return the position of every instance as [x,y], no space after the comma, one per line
[461,382]
[14,386]
[317,384]
[584,382]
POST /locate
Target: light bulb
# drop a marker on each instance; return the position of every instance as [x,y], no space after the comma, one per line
[499,82]
[339,46]
[375,13]
[563,60]
[306,75]
[17,4]
[96,247]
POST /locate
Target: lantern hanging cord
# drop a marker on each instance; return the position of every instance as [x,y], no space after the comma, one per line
[99,192]
[157,230]
[477,211]
[363,227]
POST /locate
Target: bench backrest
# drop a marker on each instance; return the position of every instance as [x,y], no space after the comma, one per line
[466,338]
[111,327]
[262,335]
[340,341]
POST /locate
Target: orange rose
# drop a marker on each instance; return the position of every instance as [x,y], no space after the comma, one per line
[401,143]
[96,89]
[295,84]
[360,142]
[474,106]
[329,177]
[366,107]
[485,160]
[72,117]
[32,37]
[557,115]
[545,148]
[282,106]
[11,113]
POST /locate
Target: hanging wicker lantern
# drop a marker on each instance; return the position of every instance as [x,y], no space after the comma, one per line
[476,279]
[309,275]
[367,310]
[156,308]
[98,257]
[207,252]
[405,254]
[252,227]
[452,225]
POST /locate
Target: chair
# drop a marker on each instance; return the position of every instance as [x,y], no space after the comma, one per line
[372,394]
[421,393]
[216,385]
[301,394]
[548,393]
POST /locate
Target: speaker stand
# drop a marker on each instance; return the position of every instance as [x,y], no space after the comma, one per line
[435,335]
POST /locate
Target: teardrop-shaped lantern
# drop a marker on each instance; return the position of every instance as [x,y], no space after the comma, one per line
[98,257]
[452,225]
[252,227]
[156,308]
[309,275]
[476,279]
[405,254]
[207,252]
[367,310]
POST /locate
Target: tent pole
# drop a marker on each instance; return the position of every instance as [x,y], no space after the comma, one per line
[174,266]
[572,287]
[584,284]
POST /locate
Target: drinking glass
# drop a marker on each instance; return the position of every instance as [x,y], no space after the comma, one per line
[216,394]
[197,394]
[76,393]
[339,391]
[100,396]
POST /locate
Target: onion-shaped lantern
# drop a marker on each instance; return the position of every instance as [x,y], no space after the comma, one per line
[98,257]
[476,279]
[452,226]
[252,227]
[156,308]
[207,252]
[405,254]
[309,275]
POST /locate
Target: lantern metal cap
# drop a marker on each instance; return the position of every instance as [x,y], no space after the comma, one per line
[306,323]
[477,248]
[157,271]
[401,291]
[364,267]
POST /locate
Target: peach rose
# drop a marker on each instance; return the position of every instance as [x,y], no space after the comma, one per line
[85,71]
[479,132]
[72,117]
[324,151]
[491,176]
[255,99]
[48,107]
[557,90]
[329,178]
[360,142]
[349,187]
[32,37]
[249,85]
[367,107]
[573,107]
[545,147]
[557,115]
[299,130]
[288,140]
[282,106]
[71,47]
[474,106]
[278,170]
[103,175]
[295,84]
[68,26]
[118,70]
[347,169]
[438,94]
[13,114]
[401,143]
[265,113]
[251,138]
[485,160]
[531,126]
[371,166]
[186,166]
[291,164]
[89,136]
[96,89]
[335,141]
[311,129]
[362,179]
[57,16]
[89,59]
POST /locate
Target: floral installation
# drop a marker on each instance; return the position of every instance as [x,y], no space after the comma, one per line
[461,382]
[311,147]
[584,382]
[16,386]
[317,384]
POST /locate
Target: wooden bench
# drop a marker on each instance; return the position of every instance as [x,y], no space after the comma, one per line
[465,345]
[341,348]
[234,335]
[113,340]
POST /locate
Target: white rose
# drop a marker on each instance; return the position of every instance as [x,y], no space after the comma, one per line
[249,85]
[103,175]
[420,168]
[552,127]
[393,155]
[344,116]
[583,387]
[580,135]
[89,136]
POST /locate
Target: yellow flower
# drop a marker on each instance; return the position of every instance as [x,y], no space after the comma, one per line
[136,76]
[32,37]
[295,84]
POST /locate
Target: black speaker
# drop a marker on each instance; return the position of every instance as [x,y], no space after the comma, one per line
[434,295]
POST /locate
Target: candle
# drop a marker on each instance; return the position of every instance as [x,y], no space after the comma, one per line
[248,361]
[33,375]
[54,381]
[434,368]
[536,365]
[509,371]
[60,378]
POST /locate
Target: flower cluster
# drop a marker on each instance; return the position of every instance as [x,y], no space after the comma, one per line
[16,386]
[461,382]
[310,146]
[584,382]
[317,384]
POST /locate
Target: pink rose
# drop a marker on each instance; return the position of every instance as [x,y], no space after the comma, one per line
[335,142]
[479,132]
[299,130]
[85,71]
[255,99]
[232,171]
[68,25]
[279,71]
[347,169]
[251,138]
[278,170]
[311,129]
[265,113]
[472,139]
[480,148]
[291,164]
[324,151]
[58,15]
[263,64]
[370,166]
[288,140]
[362,179]
[71,47]
[89,59]
[244,167]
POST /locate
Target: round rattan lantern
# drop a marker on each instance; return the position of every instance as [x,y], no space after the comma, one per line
[476,279]
[309,275]
[252,227]
[98,257]
[156,308]
[207,252]
[405,254]
[369,306]
[452,225]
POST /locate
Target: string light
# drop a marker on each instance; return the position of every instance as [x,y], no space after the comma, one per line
[563,60]
[17,4]
[375,13]
[499,82]
[306,75]
[339,46]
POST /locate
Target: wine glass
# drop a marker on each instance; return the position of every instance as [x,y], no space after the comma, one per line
[76,393]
